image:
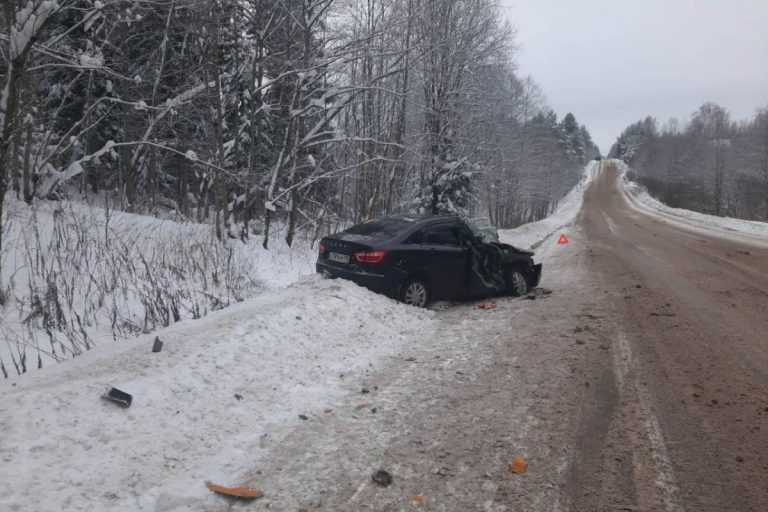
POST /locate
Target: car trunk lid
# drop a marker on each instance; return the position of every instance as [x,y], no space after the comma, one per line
[340,249]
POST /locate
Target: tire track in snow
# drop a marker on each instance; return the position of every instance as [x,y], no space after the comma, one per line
[665,480]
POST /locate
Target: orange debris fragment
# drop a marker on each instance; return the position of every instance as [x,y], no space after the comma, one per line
[518,466]
[362,405]
[237,492]
[418,499]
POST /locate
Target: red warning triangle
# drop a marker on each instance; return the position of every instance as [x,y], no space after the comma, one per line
[563,239]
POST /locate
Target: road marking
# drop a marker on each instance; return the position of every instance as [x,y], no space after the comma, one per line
[665,479]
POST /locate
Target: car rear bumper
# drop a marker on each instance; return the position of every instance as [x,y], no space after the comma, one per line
[383,284]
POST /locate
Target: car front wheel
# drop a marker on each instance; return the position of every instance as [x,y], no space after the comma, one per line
[517,285]
[415,293]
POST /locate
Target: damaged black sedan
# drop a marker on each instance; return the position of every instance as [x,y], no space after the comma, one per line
[420,258]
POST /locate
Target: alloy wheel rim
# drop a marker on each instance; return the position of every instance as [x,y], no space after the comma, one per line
[518,281]
[416,294]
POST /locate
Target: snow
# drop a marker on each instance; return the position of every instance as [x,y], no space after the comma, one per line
[735,229]
[73,169]
[286,353]
[112,269]
[530,236]
[29,20]
[89,62]
[294,349]
[4,102]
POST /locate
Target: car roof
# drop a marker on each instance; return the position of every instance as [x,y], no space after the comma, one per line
[419,218]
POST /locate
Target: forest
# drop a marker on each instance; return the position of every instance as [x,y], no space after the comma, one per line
[710,164]
[310,112]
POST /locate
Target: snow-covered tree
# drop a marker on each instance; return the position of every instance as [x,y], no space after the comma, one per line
[708,164]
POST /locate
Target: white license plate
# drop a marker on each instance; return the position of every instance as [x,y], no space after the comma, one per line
[338,258]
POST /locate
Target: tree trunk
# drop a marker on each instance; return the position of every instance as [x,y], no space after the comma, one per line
[10,94]
[152,180]
[267,222]
[85,176]
[27,191]
[292,216]
[214,75]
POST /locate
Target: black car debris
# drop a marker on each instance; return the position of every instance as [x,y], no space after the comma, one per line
[420,258]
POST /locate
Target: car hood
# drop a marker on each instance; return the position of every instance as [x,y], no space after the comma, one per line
[516,249]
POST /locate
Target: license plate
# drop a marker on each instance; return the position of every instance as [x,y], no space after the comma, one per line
[338,258]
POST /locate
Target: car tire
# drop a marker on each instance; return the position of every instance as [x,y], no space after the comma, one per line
[517,284]
[415,293]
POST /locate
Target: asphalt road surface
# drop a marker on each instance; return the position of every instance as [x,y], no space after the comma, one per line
[687,400]
[639,383]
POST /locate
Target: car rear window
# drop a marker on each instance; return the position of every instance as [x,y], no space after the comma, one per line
[381,228]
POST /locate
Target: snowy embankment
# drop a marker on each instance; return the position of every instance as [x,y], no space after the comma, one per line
[741,230]
[75,277]
[530,236]
[221,392]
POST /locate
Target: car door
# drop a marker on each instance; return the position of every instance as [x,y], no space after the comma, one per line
[477,283]
[445,259]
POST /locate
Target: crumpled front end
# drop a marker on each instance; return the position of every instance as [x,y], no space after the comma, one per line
[535,275]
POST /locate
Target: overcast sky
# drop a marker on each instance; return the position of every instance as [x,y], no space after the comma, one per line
[612,62]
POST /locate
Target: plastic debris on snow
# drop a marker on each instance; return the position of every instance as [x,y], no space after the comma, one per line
[235,492]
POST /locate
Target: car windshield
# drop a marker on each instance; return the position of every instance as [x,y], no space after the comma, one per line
[486,233]
[380,228]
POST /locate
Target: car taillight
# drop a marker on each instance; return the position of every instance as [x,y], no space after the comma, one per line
[372,257]
[321,249]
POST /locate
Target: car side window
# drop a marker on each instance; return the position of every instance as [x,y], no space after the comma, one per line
[465,234]
[415,238]
[441,234]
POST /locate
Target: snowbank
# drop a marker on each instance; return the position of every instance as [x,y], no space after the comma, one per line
[77,276]
[530,236]
[221,392]
[639,198]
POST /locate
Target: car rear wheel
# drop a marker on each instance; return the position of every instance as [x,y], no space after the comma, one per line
[415,293]
[517,284]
